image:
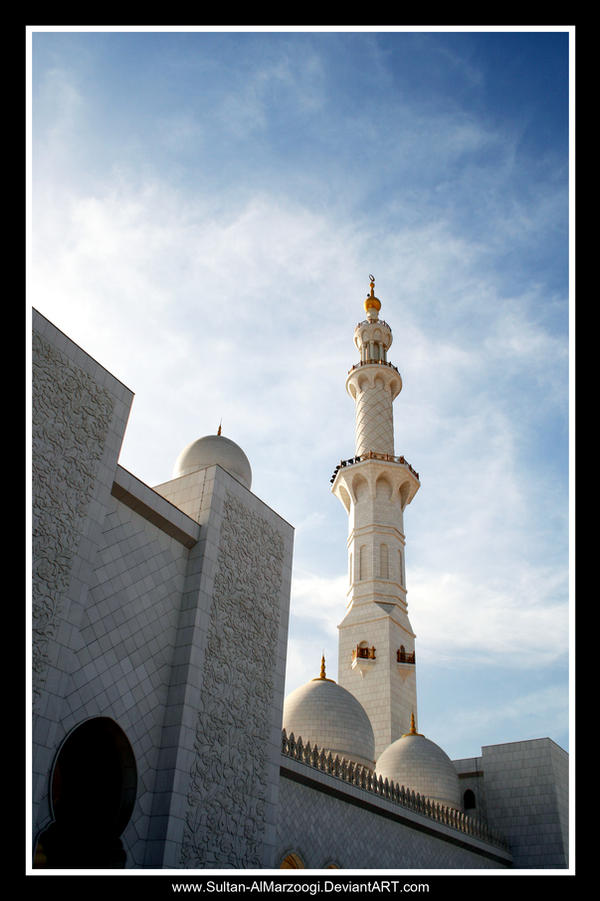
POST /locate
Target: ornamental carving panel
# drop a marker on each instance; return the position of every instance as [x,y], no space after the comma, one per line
[71,416]
[225,817]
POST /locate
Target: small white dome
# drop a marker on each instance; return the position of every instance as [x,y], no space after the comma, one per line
[330,717]
[211,450]
[421,766]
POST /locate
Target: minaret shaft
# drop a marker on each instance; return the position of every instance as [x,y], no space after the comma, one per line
[376,640]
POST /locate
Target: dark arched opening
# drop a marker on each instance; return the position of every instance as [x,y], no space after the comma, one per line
[92,790]
[469,802]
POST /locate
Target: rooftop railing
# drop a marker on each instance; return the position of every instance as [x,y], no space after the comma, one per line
[362,777]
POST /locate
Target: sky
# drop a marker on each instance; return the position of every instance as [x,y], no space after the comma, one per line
[205,208]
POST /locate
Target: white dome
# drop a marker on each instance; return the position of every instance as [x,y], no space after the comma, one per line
[422,766]
[211,450]
[326,715]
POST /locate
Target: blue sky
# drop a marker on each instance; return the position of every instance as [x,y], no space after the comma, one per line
[206,207]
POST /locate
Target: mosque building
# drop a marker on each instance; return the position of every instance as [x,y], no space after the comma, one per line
[161,738]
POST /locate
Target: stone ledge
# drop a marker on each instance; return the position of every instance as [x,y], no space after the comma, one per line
[154,508]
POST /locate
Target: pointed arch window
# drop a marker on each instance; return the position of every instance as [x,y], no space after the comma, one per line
[384,564]
[362,562]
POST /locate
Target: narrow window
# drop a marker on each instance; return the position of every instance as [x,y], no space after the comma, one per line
[469,802]
[362,562]
[384,568]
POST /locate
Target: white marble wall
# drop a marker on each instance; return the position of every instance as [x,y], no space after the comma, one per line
[526,788]
[174,626]
[327,822]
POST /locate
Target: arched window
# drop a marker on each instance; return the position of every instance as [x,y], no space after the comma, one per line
[362,562]
[384,567]
[292,861]
[93,790]
[400,568]
[469,802]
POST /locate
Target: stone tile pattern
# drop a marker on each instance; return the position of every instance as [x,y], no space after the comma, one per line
[471,777]
[374,424]
[79,414]
[225,819]
[127,652]
[526,788]
[71,416]
[325,830]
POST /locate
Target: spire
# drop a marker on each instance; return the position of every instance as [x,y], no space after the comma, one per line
[219,429]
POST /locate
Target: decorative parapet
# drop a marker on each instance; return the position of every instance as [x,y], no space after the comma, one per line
[367,780]
[372,455]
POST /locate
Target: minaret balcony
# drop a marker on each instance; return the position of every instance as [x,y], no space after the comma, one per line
[404,656]
[373,362]
[363,659]
[368,372]
[372,455]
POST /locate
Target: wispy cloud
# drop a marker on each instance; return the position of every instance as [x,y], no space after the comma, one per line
[207,236]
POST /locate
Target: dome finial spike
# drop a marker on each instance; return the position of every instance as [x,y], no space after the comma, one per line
[219,429]
[413,728]
[372,281]
[322,674]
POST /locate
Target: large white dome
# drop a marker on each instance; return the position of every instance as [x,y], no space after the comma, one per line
[211,450]
[328,716]
[422,766]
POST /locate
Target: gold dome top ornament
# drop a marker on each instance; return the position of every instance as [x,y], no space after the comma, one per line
[322,676]
[413,728]
[372,303]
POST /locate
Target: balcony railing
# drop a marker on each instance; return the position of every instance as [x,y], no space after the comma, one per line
[405,656]
[372,361]
[363,653]
[372,455]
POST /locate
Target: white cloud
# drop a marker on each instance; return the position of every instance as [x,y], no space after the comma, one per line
[521,622]
[221,285]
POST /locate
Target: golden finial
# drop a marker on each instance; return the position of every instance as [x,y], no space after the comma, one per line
[322,677]
[372,303]
[413,728]
[219,429]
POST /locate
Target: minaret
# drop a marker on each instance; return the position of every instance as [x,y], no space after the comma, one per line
[376,641]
